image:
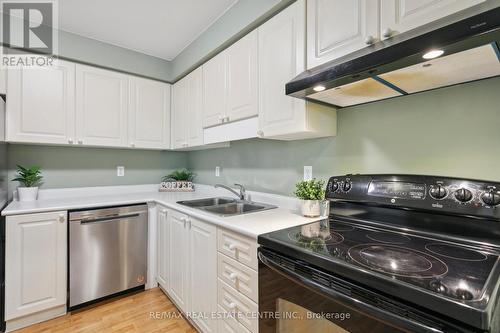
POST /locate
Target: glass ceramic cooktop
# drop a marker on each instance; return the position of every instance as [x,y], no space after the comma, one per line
[452,270]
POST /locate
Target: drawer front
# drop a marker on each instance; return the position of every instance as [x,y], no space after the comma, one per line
[238,276]
[245,309]
[240,248]
[229,324]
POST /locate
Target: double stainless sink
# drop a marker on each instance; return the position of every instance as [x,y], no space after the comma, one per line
[226,206]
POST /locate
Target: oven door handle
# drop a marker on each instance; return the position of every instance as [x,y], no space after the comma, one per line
[348,300]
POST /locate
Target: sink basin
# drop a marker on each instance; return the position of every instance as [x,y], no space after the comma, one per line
[226,206]
[206,202]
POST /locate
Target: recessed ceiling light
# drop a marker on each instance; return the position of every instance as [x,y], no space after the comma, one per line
[433,54]
[319,88]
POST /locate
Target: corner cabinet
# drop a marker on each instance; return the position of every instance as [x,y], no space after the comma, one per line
[101,107]
[35,263]
[41,104]
[149,114]
[193,267]
[230,83]
[281,58]
[187,123]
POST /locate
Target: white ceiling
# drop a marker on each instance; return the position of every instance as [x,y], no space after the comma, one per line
[161,28]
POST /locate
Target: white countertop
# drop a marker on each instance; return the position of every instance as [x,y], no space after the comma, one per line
[251,224]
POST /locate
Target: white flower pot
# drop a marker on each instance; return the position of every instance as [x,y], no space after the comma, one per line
[27,193]
[311,208]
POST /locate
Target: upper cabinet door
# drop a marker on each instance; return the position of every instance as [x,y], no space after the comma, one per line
[336,28]
[195,101]
[281,58]
[41,104]
[214,90]
[149,114]
[179,114]
[242,67]
[101,107]
[402,15]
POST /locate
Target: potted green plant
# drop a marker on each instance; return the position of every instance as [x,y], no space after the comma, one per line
[312,193]
[181,179]
[30,178]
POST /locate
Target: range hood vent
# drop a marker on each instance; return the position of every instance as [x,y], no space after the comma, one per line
[470,43]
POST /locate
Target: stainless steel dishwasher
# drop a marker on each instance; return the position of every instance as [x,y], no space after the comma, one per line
[107,252]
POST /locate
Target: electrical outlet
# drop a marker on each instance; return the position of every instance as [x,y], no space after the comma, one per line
[217,171]
[308,172]
[120,171]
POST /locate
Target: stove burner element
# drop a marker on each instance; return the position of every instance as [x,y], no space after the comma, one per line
[398,261]
[455,252]
[387,237]
[341,227]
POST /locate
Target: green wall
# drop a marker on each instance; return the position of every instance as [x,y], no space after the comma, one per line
[79,166]
[452,131]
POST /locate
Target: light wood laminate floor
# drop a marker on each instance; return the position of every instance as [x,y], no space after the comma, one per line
[127,314]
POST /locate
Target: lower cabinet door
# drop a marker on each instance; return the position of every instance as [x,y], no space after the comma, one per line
[35,263]
[203,279]
[163,248]
[179,260]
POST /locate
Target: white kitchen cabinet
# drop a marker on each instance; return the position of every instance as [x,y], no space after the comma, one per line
[187,123]
[215,90]
[179,260]
[35,263]
[242,78]
[163,248]
[41,104]
[397,16]
[193,267]
[149,114]
[281,58]
[336,28]
[203,272]
[101,107]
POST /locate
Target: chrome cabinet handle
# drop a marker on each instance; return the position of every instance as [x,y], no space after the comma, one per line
[132,144]
[61,218]
[80,141]
[70,140]
[233,276]
[232,305]
[260,133]
[231,247]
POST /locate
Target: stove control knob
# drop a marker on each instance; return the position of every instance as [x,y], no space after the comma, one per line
[334,186]
[491,198]
[463,195]
[347,186]
[438,192]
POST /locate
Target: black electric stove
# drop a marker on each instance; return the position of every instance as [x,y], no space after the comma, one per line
[432,243]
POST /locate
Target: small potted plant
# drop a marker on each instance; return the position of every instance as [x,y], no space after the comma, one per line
[181,179]
[30,178]
[312,193]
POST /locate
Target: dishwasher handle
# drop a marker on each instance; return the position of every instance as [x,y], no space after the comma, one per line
[108,218]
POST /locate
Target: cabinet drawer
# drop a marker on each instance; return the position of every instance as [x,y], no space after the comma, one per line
[238,276]
[240,248]
[229,324]
[245,309]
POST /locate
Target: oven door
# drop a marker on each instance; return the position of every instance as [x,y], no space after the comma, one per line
[293,297]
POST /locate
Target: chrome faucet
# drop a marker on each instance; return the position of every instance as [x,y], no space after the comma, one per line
[241,195]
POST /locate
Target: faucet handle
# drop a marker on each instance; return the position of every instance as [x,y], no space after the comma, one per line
[242,191]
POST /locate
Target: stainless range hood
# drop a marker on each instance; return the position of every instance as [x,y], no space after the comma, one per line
[469,42]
